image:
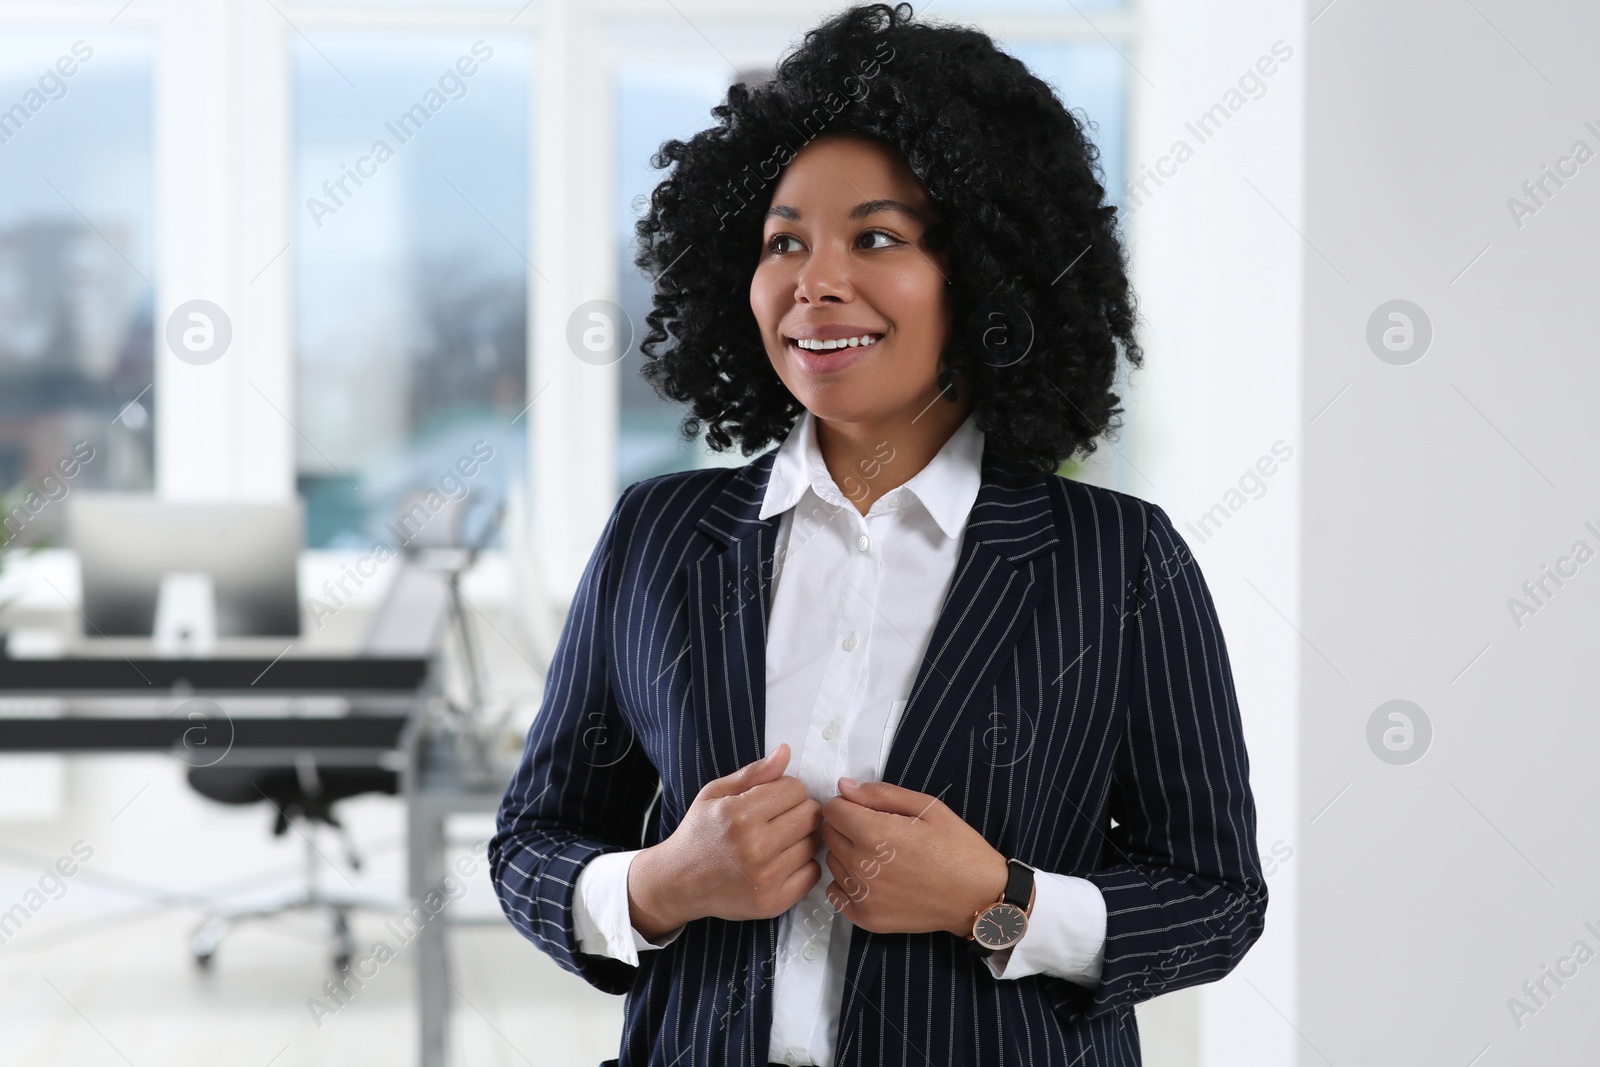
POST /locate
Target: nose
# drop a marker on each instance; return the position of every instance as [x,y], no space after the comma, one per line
[825,277]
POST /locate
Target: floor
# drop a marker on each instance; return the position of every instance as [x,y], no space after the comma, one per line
[100,972]
[83,991]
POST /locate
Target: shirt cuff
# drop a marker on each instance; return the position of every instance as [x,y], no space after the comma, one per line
[600,913]
[1066,934]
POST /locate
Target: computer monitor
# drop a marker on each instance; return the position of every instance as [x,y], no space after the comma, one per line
[127,542]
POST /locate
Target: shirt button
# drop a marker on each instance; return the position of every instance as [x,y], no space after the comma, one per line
[864,542]
[831,731]
[811,952]
[850,643]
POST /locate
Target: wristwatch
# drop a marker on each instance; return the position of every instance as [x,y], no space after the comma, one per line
[1002,924]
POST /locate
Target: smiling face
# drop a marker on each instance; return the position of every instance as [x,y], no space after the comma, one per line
[851,300]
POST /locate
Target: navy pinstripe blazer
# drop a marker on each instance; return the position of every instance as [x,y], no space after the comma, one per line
[1075,706]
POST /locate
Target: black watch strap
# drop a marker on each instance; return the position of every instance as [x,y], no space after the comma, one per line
[1019,884]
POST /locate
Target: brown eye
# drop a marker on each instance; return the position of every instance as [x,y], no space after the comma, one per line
[890,239]
[776,239]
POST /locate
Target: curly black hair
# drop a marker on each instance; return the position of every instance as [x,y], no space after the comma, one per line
[1039,287]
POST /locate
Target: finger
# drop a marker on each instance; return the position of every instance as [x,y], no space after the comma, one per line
[771,799]
[887,797]
[766,769]
[836,839]
[798,823]
[846,881]
[836,866]
[846,816]
[841,905]
[795,856]
[798,884]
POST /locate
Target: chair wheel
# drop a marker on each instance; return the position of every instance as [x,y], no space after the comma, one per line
[341,962]
[203,960]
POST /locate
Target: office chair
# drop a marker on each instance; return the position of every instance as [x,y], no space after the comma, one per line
[409,621]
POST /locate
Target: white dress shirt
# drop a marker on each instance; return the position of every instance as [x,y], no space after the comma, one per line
[853,607]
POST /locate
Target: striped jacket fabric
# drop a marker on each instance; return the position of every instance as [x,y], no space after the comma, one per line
[1075,706]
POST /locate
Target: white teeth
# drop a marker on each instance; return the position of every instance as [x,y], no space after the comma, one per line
[845,342]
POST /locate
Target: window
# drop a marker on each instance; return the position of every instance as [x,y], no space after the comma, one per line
[654,102]
[411,278]
[77,270]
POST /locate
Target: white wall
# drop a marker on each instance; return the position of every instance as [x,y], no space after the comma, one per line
[1432,891]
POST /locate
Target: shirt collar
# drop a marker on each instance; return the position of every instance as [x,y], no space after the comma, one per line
[947,487]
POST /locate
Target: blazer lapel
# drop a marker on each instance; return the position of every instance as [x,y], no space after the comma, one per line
[988,605]
[728,603]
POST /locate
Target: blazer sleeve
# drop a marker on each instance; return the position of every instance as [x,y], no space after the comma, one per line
[583,786]
[1182,880]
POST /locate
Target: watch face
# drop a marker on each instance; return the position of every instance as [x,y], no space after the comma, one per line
[1000,926]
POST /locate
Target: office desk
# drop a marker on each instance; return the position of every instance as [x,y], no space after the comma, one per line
[200,732]
[77,676]
[434,782]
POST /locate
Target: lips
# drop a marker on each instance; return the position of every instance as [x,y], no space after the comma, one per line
[821,363]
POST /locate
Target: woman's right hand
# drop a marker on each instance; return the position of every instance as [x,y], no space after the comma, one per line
[744,850]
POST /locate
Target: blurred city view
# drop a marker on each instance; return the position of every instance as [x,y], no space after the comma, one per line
[76,274]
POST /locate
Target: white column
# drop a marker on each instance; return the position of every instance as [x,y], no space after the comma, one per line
[222,173]
[572,425]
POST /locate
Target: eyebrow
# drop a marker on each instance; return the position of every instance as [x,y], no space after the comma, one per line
[860,211]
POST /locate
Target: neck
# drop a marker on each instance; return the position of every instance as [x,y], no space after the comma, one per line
[868,459]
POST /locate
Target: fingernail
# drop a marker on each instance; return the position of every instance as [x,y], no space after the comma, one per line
[851,782]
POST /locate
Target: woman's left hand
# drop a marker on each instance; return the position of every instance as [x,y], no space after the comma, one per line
[904,863]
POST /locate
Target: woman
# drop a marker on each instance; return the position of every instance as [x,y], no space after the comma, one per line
[1005,794]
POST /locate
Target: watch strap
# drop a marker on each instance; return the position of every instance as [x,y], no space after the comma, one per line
[1019,884]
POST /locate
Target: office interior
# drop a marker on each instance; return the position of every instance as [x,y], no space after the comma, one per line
[301,467]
